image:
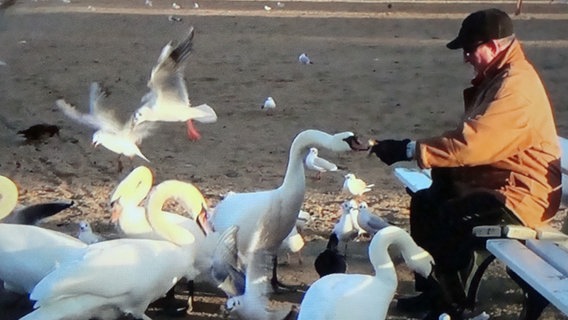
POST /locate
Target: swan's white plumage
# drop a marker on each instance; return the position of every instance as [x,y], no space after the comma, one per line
[212,250]
[119,276]
[29,253]
[8,196]
[265,218]
[357,296]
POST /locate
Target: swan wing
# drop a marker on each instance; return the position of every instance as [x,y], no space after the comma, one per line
[29,253]
[110,269]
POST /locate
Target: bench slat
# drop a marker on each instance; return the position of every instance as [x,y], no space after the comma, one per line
[548,281]
[552,253]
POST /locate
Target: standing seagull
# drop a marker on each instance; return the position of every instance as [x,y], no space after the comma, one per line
[268,105]
[167,99]
[355,186]
[119,138]
[313,162]
[86,233]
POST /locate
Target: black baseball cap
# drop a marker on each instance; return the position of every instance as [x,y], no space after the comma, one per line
[482,26]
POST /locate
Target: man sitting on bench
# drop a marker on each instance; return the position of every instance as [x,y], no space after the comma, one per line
[501,165]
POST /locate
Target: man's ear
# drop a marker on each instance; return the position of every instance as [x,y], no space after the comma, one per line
[495,46]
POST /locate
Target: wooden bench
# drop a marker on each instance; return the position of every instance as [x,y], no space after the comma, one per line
[536,259]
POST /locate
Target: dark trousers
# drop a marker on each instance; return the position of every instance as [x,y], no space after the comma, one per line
[441,222]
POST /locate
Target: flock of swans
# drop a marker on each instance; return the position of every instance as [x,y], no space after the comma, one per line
[232,246]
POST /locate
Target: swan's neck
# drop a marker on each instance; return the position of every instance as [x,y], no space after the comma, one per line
[8,196]
[167,230]
[379,254]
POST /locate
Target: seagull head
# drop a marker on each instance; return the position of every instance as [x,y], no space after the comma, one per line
[314,151]
[84,226]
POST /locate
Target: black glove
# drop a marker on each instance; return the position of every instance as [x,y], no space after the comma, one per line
[390,151]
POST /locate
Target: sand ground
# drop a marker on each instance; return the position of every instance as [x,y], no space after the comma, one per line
[380,69]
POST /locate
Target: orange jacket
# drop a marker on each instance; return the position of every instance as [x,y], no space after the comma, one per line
[507,141]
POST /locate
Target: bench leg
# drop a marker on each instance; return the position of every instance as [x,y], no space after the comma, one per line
[475,281]
[533,302]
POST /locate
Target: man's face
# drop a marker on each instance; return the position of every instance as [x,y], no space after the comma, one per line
[479,56]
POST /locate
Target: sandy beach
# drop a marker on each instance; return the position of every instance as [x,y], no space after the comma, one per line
[380,69]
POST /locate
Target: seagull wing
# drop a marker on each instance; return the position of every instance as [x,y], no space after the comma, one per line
[324,164]
[166,81]
[71,111]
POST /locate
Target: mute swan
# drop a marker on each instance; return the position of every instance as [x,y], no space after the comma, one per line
[31,214]
[314,162]
[20,245]
[167,99]
[120,138]
[211,247]
[120,276]
[269,216]
[130,218]
[358,296]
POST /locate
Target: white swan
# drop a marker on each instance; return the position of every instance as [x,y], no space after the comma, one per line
[265,218]
[28,253]
[358,296]
[8,196]
[130,218]
[167,99]
[120,276]
[213,251]
[10,212]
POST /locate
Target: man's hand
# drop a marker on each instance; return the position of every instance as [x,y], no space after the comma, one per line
[390,151]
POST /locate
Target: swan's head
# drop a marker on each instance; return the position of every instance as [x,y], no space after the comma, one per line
[346,141]
[419,260]
[8,196]
[133,188]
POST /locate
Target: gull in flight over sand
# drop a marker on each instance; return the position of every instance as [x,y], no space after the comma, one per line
[168,99]
[355,186]
[314,162]
[120,138]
